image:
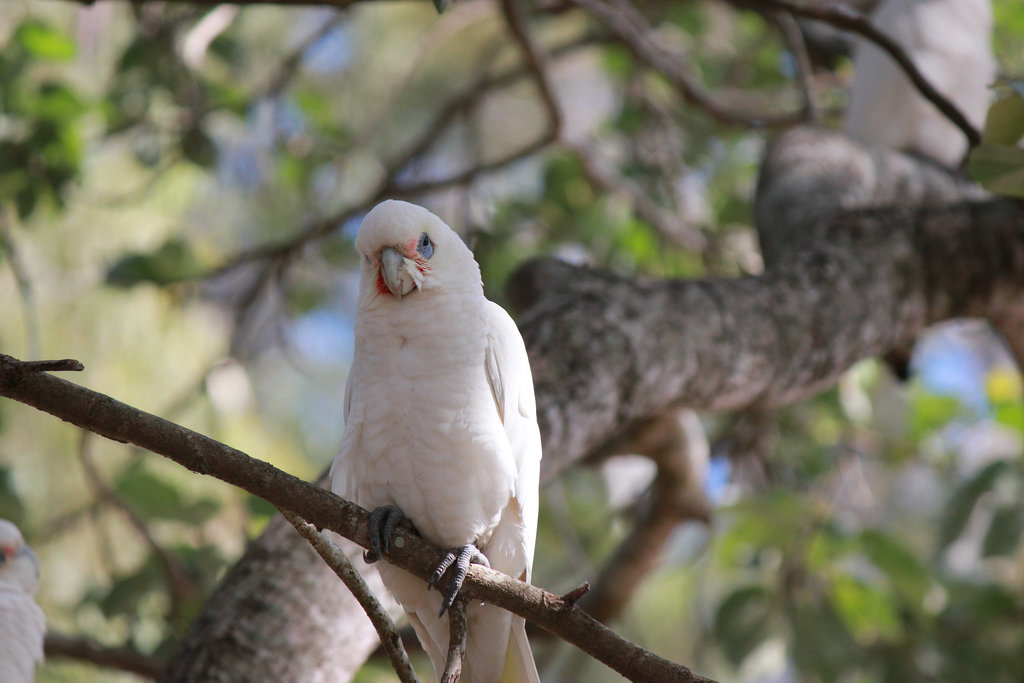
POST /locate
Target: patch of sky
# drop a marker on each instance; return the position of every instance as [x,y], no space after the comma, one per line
[350,228]
[323,337]
[330,54]
[947,366]
[719,471]
[241,164]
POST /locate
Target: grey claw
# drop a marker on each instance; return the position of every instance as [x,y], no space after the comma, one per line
[460,558]
[383,522]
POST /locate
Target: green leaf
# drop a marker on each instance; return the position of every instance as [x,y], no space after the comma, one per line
[742,621]
[906,574]
[1004,122]
[821,644]
[1010,414]
[441,5]
[1003,533]
[960,505]
[45,42]
[198,512]
[11,507]
[172,262]
[930,412]
[869,613]
[260,508]
[55,101]
[998,168]
[618,61]
[127,591]
[150,496]
[198,147]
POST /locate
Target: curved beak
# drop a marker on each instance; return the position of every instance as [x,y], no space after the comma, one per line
[399,273]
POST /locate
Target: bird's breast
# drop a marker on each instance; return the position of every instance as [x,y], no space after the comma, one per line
[430,438]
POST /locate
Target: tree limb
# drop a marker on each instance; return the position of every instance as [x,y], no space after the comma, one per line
[61,645]
[456,642]
[841,16]
[342,566]
[608,351]
[115,420]
[627,25]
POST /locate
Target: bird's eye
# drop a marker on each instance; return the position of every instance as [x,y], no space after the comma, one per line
[425,246]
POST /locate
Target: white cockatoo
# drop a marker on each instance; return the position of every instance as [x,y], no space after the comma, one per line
[441,428]
[22,624]
[950,42]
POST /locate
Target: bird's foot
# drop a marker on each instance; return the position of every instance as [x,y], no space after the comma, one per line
[383,522]
[461,558]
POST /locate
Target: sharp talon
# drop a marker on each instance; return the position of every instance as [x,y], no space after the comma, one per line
[383,522]
[441,569]
[460,558]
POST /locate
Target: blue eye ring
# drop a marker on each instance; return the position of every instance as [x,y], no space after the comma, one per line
[425,247]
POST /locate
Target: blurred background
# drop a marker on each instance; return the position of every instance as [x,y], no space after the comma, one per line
[180,186]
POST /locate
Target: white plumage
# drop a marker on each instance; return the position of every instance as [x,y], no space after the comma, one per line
[440,421]
[22,624]
[950,43]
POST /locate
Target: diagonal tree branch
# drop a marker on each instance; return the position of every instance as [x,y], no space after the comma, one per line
[628,25]
[609,351]
[843,17]
[60,645]
[115,420]
[342,566]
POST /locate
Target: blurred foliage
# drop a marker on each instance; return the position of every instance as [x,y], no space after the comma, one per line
[998,162]
[142,152]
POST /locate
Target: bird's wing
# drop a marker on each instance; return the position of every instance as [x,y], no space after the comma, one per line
[339,472]
[508,371]
[22,626]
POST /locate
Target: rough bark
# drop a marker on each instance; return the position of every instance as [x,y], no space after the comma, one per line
[280,614]
[115,420]
[609,351]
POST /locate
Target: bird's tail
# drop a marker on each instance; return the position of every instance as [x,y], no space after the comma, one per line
[519,664]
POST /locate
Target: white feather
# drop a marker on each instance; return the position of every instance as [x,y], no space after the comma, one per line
[440,420]
[22,624]
[950,43]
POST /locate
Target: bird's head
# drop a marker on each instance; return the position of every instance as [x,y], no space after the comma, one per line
[18,564]
[407,249]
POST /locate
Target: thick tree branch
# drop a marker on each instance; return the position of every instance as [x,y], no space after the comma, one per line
[609,351]
[110,418]
[280,614]
[60,645]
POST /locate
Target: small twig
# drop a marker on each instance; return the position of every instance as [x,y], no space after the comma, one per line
[804,71]
[61,645]
[336,560]
[631,29]
[21,280]
[456,642]
[62,365]
[668,224]
[843,17]
[573,596]
[432,132]
[289,66]
[536,62]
